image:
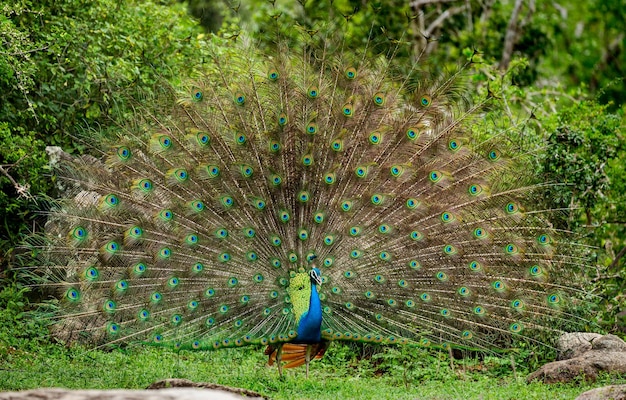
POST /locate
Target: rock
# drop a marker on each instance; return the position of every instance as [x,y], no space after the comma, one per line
[573,344]
[177,383]
[170,389]
[612,392]
[609,343]
[605,353]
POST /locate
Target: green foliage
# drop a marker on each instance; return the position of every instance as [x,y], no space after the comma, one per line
[584,140]
[589,47]
[210,14]
[585,152]
[66,65]
[413,365]
[18,330]
[23,158]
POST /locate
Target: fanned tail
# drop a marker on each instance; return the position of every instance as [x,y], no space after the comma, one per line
[190,228]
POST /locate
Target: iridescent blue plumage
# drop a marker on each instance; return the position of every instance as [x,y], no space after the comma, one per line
[309,327]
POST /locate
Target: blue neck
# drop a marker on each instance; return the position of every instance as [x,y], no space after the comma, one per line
[310,326]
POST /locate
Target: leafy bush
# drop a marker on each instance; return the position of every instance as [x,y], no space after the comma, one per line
[68,65]
[18,330]
[586,152]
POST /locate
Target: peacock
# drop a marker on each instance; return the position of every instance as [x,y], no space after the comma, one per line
[303,193]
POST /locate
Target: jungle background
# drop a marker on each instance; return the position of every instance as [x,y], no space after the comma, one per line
[69,65]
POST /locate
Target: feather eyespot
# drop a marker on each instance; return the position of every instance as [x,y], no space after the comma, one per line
[379,99]
[412,133]
[240,99]
[350,73]
[375,138]
[337,145]
[123,153]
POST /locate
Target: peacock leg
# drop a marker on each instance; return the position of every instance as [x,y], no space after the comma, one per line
[279,357]
[307,358]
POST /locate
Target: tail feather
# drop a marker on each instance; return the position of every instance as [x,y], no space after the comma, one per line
[295,354]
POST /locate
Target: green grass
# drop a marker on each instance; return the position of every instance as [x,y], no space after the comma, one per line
[57,366]
[29,359]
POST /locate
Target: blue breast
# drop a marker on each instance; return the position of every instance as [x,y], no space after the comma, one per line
[310,326]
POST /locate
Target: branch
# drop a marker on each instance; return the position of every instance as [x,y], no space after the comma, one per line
[419,3]
[23,53]
[610,52]
[441,18]
[22,190]
[617,257]
[511,36]
[470,22]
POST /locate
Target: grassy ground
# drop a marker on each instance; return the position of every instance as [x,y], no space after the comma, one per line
[30,359]
[56,366]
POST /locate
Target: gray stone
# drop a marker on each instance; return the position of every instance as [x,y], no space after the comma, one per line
[573,344]
[606,353]
[609,343]
[612,392]
[169,389]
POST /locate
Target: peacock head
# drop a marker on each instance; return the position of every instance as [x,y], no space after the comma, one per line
[316,276]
